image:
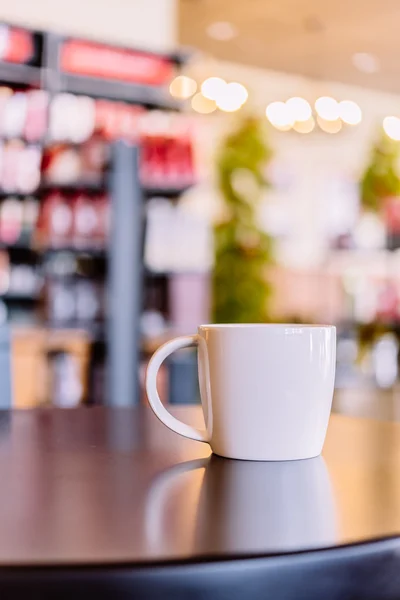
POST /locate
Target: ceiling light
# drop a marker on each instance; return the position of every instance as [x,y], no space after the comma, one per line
[182,87]
[350,112]
[279,115]
[223,31]
[365,62]
[213,87]
[391,125]
[329,126]
[299,109]
[327,108]
[203,105]
[304,126]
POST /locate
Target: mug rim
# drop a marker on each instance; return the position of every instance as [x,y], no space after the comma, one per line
[265,326]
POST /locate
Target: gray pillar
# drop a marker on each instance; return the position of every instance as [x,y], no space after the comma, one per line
[125,277]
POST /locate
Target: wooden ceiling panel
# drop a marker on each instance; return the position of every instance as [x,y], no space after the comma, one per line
[311,37]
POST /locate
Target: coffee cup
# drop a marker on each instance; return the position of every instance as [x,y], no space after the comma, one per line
[266,390]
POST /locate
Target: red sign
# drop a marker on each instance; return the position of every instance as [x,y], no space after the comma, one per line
[106,62]
[16,45]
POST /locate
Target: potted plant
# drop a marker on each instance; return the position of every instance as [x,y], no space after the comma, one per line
[243,250]
[380,183]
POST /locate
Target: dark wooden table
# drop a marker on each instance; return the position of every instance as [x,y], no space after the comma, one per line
[103,486]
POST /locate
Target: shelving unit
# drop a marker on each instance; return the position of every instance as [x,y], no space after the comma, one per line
[61,65]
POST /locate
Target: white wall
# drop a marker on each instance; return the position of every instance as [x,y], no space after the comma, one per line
[139,23]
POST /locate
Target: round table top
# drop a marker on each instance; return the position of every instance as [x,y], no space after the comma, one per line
[114,485]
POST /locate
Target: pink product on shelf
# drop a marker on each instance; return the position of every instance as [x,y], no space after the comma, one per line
[14,115]
[5,94]
[29,169]
[4,271]
[189,297]
[104,212]
[388,303]
[30,214]
[57,220]
[19,167]
[86,218]
[23,114]
[392,214]
[11,219]
[118,120]
[36,117]
[11,152]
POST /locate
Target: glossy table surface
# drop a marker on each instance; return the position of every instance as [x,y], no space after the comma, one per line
[114,485]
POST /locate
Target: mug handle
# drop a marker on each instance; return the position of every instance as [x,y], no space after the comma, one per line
[158,408]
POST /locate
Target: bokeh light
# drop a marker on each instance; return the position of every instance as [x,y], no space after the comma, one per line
[279,115]
[182,87]
[238,91]
[327,108]
[203,105]
[304,126]
[231,97]
[299,109]
[213,87]
[391,126]
[329,126]
[350,112]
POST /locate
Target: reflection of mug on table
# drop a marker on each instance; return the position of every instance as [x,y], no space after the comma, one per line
[250,506]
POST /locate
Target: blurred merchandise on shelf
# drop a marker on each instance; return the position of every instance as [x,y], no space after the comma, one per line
[78,220]
[176,239]
[23,114]
[166,157]
[19,166]
[18,279]
[65,164]
[63,103]
[18,219]
[115,120]
[80,132]
[62,379]
[189,298]
[70,302]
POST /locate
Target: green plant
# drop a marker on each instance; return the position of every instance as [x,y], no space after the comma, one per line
[381,178]
[242,249]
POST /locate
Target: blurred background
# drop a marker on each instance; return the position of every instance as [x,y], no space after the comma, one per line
[165,163]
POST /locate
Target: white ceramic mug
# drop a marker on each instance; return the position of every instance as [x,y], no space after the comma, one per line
[266,390]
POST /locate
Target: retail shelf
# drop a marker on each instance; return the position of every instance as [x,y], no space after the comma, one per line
[18,74]
[90,251]
[19,247]
[144,95]
[20,297]
[73,187]
[165,191]
[21,195]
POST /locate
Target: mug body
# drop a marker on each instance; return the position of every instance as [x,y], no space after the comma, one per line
[267,389]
